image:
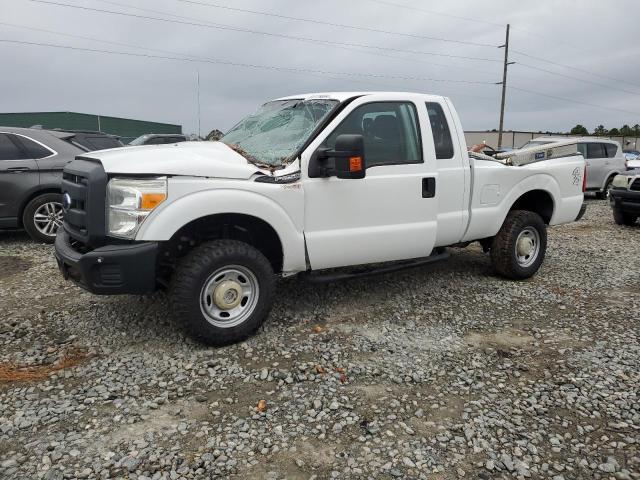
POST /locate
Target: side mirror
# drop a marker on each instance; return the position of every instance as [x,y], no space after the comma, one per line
[346,160]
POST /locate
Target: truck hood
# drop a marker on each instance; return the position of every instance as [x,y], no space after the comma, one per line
[196,159]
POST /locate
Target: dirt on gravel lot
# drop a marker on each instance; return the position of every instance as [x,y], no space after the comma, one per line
[441,372]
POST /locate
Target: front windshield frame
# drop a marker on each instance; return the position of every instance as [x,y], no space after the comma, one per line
[288,155]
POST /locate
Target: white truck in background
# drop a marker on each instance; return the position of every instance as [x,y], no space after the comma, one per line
[307,184]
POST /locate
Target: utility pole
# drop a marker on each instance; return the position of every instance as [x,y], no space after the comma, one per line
[199,131]
[504,85]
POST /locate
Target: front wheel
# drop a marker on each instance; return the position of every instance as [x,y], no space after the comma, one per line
[622,218]
[43,216]
[517,251]
[223,291]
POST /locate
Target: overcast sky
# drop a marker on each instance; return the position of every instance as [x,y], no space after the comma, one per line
[590,35]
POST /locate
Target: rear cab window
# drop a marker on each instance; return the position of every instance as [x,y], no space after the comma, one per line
[440,130]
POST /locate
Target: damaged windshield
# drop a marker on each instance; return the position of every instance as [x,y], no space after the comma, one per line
[273,134]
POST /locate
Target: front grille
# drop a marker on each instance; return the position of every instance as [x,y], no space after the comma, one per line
[85,182]
[635,185]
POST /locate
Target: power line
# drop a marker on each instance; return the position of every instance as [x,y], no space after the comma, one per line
[250,65]
[433,12]
[577,79]
[558,64]
[219,26]
[572,101]
[170,52]
[332,24]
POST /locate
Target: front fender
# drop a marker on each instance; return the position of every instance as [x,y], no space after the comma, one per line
[172,215]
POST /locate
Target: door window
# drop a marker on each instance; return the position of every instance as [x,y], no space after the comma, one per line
[440,130]
[34,150]
[9,149]
[596,150]
[611,149]
[390,131]
[582,148]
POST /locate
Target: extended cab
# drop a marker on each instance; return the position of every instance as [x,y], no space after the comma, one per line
[306,184]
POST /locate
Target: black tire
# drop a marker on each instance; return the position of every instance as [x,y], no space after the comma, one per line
[197,270]
[28,217]
[605,193]
[622,218]
[504,256]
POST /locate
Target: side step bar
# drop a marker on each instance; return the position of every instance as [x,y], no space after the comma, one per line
[441,254]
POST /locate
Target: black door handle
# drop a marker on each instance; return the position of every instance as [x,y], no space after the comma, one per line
[428,187]
[18,169]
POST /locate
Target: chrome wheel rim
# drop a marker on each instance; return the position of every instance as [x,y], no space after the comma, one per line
[527,247]
[229,296]
[48,217]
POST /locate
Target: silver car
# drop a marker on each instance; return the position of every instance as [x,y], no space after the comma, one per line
[604,159]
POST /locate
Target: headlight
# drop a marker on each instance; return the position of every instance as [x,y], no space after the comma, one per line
[129,201]
[620,181]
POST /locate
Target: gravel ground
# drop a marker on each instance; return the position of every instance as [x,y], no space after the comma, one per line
[441,372]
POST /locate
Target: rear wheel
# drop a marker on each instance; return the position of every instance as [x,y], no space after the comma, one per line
[223,291]
[517,251]
[43,216]
[622,218]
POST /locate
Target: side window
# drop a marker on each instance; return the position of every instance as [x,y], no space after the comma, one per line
[390,131]
[33,149]
[9,150]
[595,150]
[155,141]
[582,148]
[440,129]
[611,149]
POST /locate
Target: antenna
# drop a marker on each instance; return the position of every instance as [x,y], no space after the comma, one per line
[198,81]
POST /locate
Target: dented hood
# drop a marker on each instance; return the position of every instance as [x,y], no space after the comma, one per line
[196,159]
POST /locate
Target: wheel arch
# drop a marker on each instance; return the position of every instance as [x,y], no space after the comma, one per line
[537,201]
[33,194]
[251,210]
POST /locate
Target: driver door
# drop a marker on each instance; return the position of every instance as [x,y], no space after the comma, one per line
[391,213]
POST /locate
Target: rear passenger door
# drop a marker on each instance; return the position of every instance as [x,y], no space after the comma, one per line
[596,164]
[447,155]
[18,177]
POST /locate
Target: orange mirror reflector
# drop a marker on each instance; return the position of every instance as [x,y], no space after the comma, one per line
[355,164]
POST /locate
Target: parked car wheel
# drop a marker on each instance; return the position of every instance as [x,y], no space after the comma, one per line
[223,291]
[42,216]
[605,193]
[517,251]
[622,218]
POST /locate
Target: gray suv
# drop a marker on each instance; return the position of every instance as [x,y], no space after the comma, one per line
[31,163]
[159,139]
[604,159]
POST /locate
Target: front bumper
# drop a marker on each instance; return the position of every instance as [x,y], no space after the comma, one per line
[627,201]
[109,270]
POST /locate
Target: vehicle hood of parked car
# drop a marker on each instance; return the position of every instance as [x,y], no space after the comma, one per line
[196,159]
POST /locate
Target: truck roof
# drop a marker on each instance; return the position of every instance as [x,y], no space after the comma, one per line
[341,96]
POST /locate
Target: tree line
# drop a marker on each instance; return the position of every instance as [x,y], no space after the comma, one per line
[601,131]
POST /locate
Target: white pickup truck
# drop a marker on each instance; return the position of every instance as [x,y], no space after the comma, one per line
[307,184]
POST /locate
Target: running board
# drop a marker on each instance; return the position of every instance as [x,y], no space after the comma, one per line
[339,276]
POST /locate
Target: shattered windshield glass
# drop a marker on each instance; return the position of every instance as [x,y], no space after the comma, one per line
[273,134]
